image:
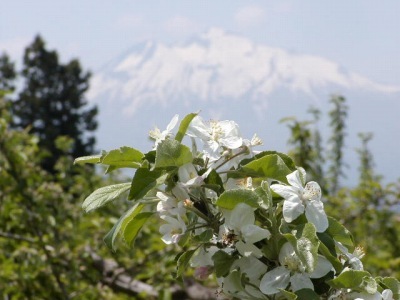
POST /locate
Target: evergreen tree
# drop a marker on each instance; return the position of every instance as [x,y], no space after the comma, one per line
[301,141]
[318,159]
[338,117]
[52,104]
[307,146]
[366,159]
[7,73]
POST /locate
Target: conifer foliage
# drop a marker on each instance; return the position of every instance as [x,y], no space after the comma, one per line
[52,103]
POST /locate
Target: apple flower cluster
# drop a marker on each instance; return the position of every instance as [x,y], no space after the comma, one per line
[247,217]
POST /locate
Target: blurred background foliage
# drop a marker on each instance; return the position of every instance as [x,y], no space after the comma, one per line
[48,245]
[371,208]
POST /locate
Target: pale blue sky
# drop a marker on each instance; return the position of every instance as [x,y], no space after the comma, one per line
[361,35]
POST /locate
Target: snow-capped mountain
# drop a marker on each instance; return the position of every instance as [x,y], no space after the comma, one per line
[230,77]
[217,66]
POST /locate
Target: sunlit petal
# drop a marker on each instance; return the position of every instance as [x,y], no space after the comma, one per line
[292,208]
[253,233]
[315,214]
[285,191]
[301,281]
[274,280]
[294,180]
[322,268]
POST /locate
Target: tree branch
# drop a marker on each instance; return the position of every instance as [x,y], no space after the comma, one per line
[118,279]
[16,237]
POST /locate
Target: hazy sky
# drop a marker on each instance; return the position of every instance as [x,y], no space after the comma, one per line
[361,35]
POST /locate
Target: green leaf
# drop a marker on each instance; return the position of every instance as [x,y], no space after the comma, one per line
[327,249]
[204,237]
[214,182]
[104,195]
[265,194]
[144,180]
[288,295]
[286,158]
[133,225]
[340,233]
[184,239]
[110,237]
[307,294]
[222,263]
[351,279]
[305,244]
[91,159]
[150,156]
[307,247]
[268,166]
[171,153]
[124,157]
[184,126]
[229,199]
[391,283]
[235,279]
[183,262]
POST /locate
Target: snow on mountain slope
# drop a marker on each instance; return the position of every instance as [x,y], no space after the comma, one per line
[230,77]
[215,66]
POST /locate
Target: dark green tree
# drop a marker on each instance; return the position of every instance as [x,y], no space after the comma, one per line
[7,73]
[366,161]
[301,141]
[338,116]
[306,146]
[52,103]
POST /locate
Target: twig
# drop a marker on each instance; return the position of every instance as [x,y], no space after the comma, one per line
[16,237]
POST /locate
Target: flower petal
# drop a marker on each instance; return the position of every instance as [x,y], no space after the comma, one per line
[172,124]
[251,266]
[253,233]
[274,280]
[364,296]
[241,215]
[387,294]
[203,257]
[322,268]
[312,191]
[294,179]
[301,281]
[292,208]
[198,129]
[285,191]
[232,142]
[247,249]
[287,250]
[187,172]
[315,214]
[233,283]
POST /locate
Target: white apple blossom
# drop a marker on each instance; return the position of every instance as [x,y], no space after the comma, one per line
[252,269]
[353,259]
[172,230]
[293,272]
[299,199]
[159,136]
[216,135]
[239,229]
[169,205]
[242,183]
[188,176]
[343,294]
[203,257]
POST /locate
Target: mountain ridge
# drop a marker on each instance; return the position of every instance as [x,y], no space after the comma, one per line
[219,65]
[148,84]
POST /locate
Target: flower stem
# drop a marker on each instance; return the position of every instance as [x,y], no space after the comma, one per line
[243,151]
